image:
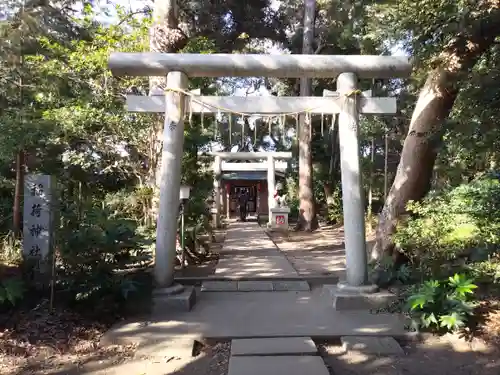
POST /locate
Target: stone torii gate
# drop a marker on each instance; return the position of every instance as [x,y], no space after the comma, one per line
[349,103]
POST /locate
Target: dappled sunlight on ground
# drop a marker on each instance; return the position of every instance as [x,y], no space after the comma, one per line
[248,252]
[434,355]
[318,253]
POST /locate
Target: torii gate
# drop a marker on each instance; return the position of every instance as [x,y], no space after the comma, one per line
[348,102]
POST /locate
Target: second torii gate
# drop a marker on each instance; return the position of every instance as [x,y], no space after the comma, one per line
[348,103]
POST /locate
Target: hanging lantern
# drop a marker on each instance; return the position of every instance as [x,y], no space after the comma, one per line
[258,187]
[228,186]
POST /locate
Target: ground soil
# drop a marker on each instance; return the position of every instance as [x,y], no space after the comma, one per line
[318,253]
[63,342]
[432,356]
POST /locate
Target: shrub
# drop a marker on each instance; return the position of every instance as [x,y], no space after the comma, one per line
[96,245]
[461,222]
[335,210]
[442,305]
[294,204]
[11,290]
[485,272]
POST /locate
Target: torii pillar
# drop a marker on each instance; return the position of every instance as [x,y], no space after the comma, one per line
[217,187]
[171,157]
[352,185]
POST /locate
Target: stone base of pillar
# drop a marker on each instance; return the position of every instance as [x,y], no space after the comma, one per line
[176,297]
[364,297]
[216,218]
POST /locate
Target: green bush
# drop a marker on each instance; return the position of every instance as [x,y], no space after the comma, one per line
[459,223]
[443,305]
[388,273]
[97,243]
[294,205]
[487,272]
[11,290]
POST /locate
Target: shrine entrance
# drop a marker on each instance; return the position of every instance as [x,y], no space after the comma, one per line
[233,191]
[251,172]
[348,102]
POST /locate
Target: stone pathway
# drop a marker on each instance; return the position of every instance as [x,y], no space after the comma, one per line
[249,253]
[255,286]
[231,315]
[260,303]
[271,356]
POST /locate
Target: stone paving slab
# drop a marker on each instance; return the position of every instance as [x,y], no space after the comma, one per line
[274,346]
[267,365]
[272,265]
[219,286]
[372,345]
[298,286]
[255,286]
[230,315]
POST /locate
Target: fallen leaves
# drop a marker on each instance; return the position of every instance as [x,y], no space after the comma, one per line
[38,339]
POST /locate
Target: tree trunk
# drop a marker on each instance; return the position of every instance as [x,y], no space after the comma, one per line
[307,210]
[164,36]
[414,173]
[370,186]
[18,195]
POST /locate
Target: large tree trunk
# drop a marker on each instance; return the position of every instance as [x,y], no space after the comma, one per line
[164,36]
[414,173]
[307,210]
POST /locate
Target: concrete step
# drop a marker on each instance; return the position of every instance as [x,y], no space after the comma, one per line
[273,346]
[255,286]
[267,365]
[311,279]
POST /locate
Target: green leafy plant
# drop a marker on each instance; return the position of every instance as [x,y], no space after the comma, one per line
[442,305]
[11,290]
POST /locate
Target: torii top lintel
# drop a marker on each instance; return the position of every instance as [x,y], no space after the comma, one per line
[252,65]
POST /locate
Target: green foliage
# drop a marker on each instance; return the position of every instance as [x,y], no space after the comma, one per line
[442,305]
[70,120]
[486,272]
[335,210]
[389,273]
[461,222]
[10,249]
[11,290]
